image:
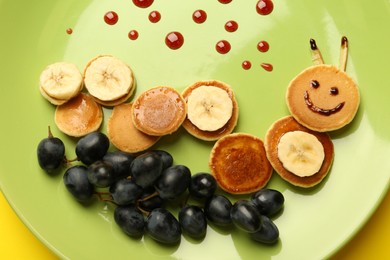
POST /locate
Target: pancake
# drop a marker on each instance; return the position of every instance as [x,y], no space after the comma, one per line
[159,111]
[227,128]
[239,163]
[323,98]
[289,124]
[79,116]
[123,134]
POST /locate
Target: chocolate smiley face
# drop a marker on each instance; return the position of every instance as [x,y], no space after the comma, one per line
[323,98]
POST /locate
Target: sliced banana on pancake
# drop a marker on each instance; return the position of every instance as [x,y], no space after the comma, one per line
[60,81]
[108,79]
[296,152]
[301,153]
[203,114]
[209,107]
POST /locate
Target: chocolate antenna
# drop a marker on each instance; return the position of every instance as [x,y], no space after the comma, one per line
[343,53]
[316,54]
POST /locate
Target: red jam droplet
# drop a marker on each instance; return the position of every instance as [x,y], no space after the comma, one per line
[69,31]
[263,46]
[267,66]
[143,3]
[133,35]
[199,16]
[174,40]
[231,26]
[154,16]
[223,47]
[264,7]
[111,18]
[246,65]
[224,1]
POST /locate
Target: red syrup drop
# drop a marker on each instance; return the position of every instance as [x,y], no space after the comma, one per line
[154,16]
[199,16]
[231,26]
[246,64]
[223,47]
[69,31]
[111,18]
[224,1]
[174,40]
[264,7]
[263,46]
[267,66]
[143,3]
[133,35]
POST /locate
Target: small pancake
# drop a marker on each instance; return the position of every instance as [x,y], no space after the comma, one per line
[79,116]
[317,107]
[117,74]
[239,163]
[159,111]
[227,128]
[288,124]
[123,134]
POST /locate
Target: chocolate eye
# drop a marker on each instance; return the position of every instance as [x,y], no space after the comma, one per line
[314,83]
[334,91]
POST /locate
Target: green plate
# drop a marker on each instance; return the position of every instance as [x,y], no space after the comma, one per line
[315,223]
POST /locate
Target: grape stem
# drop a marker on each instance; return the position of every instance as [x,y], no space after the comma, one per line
[105,196]
[50,134]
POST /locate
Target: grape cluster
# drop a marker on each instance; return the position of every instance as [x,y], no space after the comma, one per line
[142,187]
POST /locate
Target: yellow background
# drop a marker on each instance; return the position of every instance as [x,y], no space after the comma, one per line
[372,242]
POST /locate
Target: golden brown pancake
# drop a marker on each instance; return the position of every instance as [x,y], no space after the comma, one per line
[79,116]
[239,163]
[278,129]
[323,98]
[227,128]
[123,134]
[159,111]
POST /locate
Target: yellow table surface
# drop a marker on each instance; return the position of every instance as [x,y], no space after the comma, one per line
[371,242]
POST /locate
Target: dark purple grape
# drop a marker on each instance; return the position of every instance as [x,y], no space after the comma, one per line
[163,227]
[121,162]
[50,152]
[217,210]
[130,220]
[76,182]
[268,201]
[166,158]
[202,185]
[193,221]
[173,182]
[268,233]
[154,201]
[245,216]
[146,168]
[92,147]
[101,174]
[125,192]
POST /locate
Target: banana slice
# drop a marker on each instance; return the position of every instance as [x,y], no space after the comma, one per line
[301,153]
[60,81]
[209,108]
[108,78]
